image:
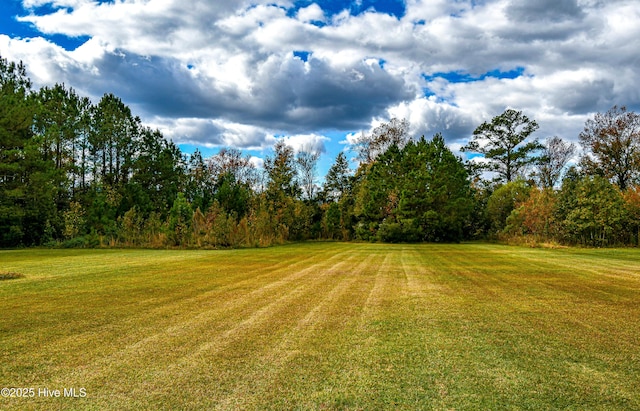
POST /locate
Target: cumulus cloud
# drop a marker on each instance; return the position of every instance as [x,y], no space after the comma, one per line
[311,143]
[225,72]
[311,13]
[213,133]
[427,117]
[542,11]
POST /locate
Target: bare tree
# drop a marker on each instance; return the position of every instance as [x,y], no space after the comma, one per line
[554,157]
[307,162]
[395,132]
[231,161]
[611,142]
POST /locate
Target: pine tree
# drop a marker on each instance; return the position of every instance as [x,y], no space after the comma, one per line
[338,179]
[16,116]
[503,142]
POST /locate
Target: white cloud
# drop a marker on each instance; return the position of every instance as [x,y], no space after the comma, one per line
[428,117]
[223,72]
[313,12]
[46,62]
[257,162]
[312,143]
[213,133]
[55,3]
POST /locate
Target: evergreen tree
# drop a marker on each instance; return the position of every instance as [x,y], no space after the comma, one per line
[282,189]
[281,170]
[436,194]
[115,133]
[338,179]
[158,174]
[379,191]
[58,124]
[180,219]
[16,116]
[417,193]
[233,196]
[503,142]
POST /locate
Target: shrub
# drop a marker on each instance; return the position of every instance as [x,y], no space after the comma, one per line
[10,276]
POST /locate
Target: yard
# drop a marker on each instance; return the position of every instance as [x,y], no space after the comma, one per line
[321,326]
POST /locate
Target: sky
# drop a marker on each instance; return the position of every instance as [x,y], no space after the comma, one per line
[319,74]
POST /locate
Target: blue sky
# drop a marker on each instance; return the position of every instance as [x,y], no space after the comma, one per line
[318,74]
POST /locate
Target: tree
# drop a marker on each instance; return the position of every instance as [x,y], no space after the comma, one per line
[61,130]
[16,116]
[232,196]
[41,184]
[436,194]
[598,213]
[307,163]
[199,185]
[535,215]
[282,190]
[231,160]
[612,143]
[281,170]
[378,192]
[158,174]
[337,180]
[58,122]
[338,219]
[115,132]
[417,193]
[554,157]
[632,205]
[180,219]
[503,143]
[29,184]
[384,136]
[503,201]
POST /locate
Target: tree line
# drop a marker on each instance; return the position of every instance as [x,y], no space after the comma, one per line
[78,174]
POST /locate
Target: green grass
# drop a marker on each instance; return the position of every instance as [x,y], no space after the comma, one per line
[324,326]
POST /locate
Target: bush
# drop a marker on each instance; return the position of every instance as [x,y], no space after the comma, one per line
[10,276]
[87,241]
[406,231]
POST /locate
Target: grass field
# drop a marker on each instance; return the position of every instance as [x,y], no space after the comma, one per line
[323,326]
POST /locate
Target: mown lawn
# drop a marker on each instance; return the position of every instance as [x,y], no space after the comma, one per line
[323,326]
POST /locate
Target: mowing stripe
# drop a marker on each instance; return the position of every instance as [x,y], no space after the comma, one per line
[326,326]
[252,389]
[221,326]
